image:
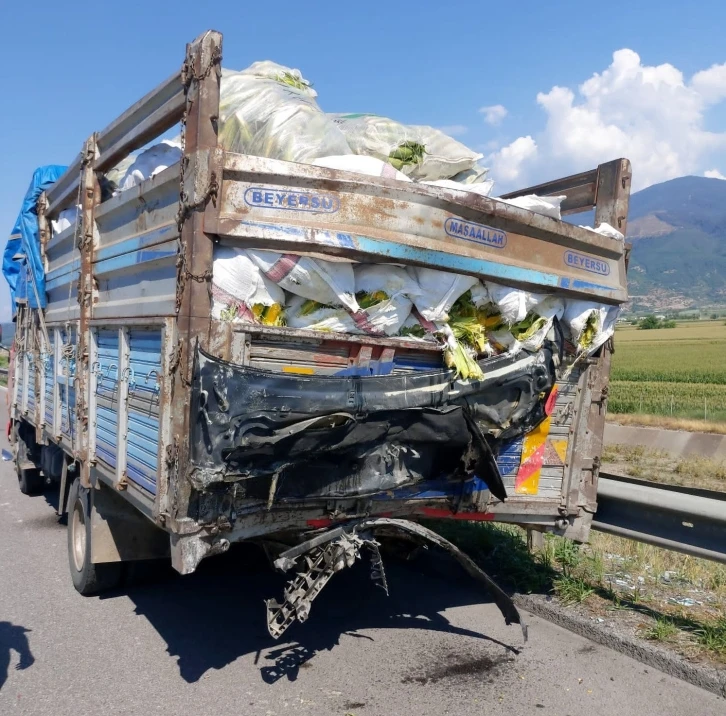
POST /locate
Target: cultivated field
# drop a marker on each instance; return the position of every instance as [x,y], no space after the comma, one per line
[679,372]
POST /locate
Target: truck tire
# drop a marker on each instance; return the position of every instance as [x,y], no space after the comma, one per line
[30,479]
[88,578]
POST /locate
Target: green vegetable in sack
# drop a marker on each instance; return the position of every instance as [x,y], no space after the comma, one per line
[456,357]
[471,333]
[417,331]
[229,313]
[309,307]
[528,327]
[368,300]
[287,78]
[407,154]
[589,332]
[464,322]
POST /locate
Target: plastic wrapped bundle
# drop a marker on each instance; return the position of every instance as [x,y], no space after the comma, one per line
[241,293]
[269,110]
[418,151]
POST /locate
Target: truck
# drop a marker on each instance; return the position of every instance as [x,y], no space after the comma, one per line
[170,434]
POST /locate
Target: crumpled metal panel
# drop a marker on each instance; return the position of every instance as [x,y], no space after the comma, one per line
[289,437]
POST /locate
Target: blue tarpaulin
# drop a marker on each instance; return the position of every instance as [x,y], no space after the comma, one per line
[22,260]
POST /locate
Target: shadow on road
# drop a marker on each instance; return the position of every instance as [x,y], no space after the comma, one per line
[13,638]
[211,618]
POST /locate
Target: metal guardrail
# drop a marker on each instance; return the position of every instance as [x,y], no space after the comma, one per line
[684,519]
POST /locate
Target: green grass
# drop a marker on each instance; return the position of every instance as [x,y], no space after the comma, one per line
[662,630]
[583,575]
[572,590]
[713,636]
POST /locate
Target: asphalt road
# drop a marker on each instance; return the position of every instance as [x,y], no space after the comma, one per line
[198,644]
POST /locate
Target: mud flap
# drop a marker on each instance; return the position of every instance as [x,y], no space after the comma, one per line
[332,551]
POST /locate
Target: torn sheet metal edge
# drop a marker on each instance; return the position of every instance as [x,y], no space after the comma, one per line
[328,553]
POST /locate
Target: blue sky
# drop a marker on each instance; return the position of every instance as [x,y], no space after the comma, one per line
[70,68]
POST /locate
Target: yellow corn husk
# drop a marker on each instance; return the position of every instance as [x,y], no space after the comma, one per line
[589,332]
[273,316]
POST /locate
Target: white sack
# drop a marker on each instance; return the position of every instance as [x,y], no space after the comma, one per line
[576,317]
[480,295]
[439,291]
[606,230]
[65,219]
[513,303]
[476,175]
[483,188]
[236,279]
[335,320]
[361,165]
[392,280]
[503,341]
[328,282]
[546,205]
[152,161]
[115,176]
[549,307]
[385,318]
[270,111]
[380,137]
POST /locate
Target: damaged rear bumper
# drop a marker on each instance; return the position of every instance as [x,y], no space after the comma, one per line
[318,559]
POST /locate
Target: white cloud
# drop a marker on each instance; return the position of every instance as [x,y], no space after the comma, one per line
[650,114]
[454,130]
[713,174]
[510,162]
[494,114]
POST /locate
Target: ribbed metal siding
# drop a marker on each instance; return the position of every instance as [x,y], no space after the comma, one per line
[107,372]
[144,375]
[49,383]
[30,359]
[67,391]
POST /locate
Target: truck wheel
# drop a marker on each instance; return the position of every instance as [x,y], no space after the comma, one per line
[88,578]
[30,480]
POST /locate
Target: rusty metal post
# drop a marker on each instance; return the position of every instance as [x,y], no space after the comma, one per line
[201,74]
[613,198]
[90,196]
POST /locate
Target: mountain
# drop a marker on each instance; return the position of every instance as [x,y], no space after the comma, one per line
[678,230]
